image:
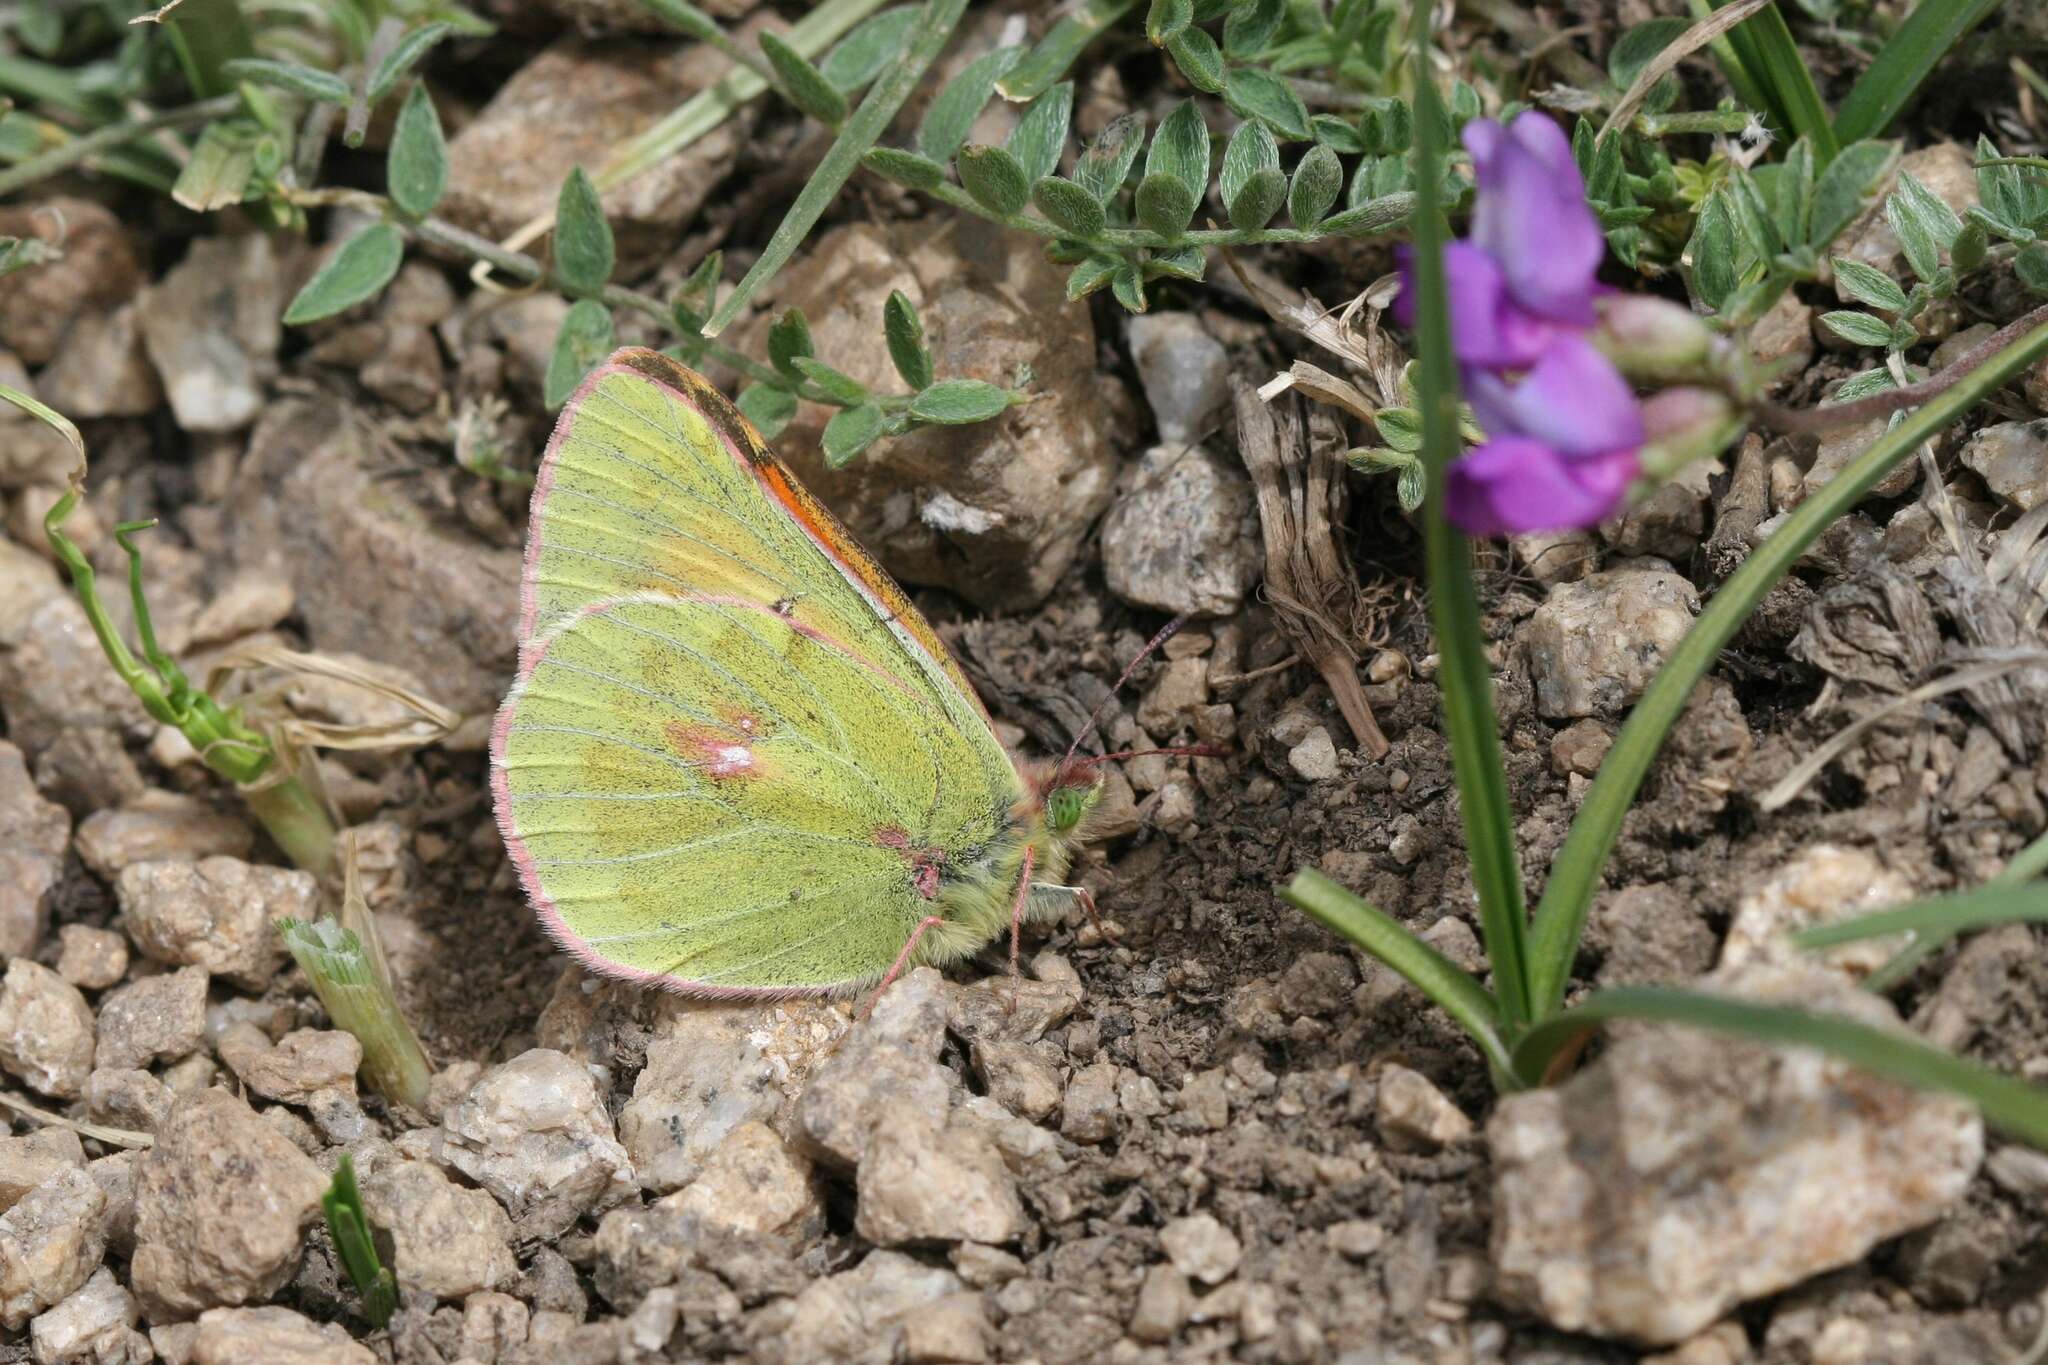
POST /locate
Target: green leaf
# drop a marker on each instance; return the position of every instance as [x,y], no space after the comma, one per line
[905,168]
[957,402]
[1041,135]
[994,178]
[1935,217]
[839,387]
[1905,62]
[1081,25]
[403,57]
[1374,216]
[2001,188]
[1869,285]
[1863,385]
[1318,180]
[1069,208]
[1262,95]
[1166,18]
[1251,26]
[355,274]
[904,332]
[1180,149]
[1713,247]
[1259,198]
[289,76]
[1251,149]
[1337,134]
[1844,186]
[416,169]
[583,239]
[1164,205]
[1951,914]
[952,113]
[1179,263]
[1091,275]
[348,1226]
[1400,428]
[1129,287]
[860,56]
[1860,328]
[805,85]
[851,431]
[2031,266]
[2011,1105]
[1922,253]
[584,341]
[769,407]
[1198,58]
[1103,168]
[1792,201]
[789,336]
[1637,48]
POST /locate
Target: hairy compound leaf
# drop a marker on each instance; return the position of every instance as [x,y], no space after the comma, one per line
[905,168]
[1041,135]
[1384,214]
[1792,199]
[860,56]
[1068,207]
[289,76]
[805,85]
[1179,263]
[956,402]
[403,57]
[1869,285]
[1251,26]
[1860,328]
[1251,149]
[584,255]
[994,178]
[2031,266]
[840,387]
[1166,18]
[1258,199]
[1106,164]
[1318,180]
[904,332]
[1091,275]
[769,407]
[952,113]
[1262,95]
[1845,185]
[1339,135]
[356,273]
[1164,205]
[416,169]
[1198,58]
[585,339]
[1128,286]
[1637,48]
[1713,248]
[1863,385]
[851,431]
[1180,149]
[789,336]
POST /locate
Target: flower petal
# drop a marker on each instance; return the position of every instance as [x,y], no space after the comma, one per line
[1531,215]
[1487,329]
[1573,399]
[1515,484]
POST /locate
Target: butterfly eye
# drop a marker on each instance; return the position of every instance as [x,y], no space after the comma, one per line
[1065,807]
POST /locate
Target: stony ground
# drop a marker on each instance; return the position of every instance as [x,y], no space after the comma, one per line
[1222,1136]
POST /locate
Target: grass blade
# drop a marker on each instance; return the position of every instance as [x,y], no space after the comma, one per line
[1904,64]
[1575,873]
[2019,1109]
[1996,903]
[1057,50]
[1771,61]
[935,24]
[1453,988]
[1464,677]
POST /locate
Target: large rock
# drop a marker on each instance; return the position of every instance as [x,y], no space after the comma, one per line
[218,913]
[449,1240]
[885,1071]
[103,370]
[574,105]
[154,1019]
[1819,885]
[2013,458]
[99,270]
[53,676]
[277,1336]
[221,1204]
[1594,645]
[1684,1173]
[46,1030]
[376,573]
[1184,535]
[212,327]
[33,836]
[871,1311]
[160,826]
[1184,371]
[50,1244]
[95,1324]
[995,511]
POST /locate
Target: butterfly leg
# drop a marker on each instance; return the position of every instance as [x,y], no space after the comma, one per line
[896,970]
[1017,925]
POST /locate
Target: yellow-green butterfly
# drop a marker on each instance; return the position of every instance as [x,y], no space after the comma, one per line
[736,761]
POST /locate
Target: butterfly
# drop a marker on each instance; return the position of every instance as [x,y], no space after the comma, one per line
[736,761]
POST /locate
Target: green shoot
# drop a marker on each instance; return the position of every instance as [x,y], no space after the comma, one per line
[349,1226]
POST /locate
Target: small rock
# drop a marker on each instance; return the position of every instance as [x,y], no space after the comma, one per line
[2019,1170]
[1683,1173]
[155,1019]
[1184,535]
[1781,342]
[276,1336]
[2013,458]
[1842,445]
[1164,1305]
[1201,1247]
[1579,748]
[221,1202]
[535,1133]
[754,1183]
[88,769]
[1594,645]
[53,676]
[219,913]
[115,1175]
[448,1240]
[884,1069]
[1670,522]
[1204,1102]
[29,1160]
[34,835]
[1089,1113]
[98,271]
[102,369]
[493,1325]
[1819,885]
[1554,557]
[1181,688]
[212,329]
[1355,1239]
[865,1312]
[93,959]
[160,826]
[94,1326]
[127,1098]
[303,1062]
[1018,1076]
[1413,1115]
[1315,758]
[985,1267]
[1184,371]
[248,605]
[919,1182]
[50,1244]
[46,1030]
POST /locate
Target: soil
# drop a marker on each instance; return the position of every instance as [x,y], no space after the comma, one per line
[1211,971]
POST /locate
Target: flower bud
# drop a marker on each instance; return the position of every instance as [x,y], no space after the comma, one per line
[1650,338]
[1682,425]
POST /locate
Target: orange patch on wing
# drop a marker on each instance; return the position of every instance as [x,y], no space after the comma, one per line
[723,752]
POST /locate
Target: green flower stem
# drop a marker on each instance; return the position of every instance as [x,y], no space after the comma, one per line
[1463,674]
[2019,1109]
[1436,976]
[87,145]
[296,819]
[1576,872]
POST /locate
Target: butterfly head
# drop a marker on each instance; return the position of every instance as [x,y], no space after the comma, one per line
[1073,793]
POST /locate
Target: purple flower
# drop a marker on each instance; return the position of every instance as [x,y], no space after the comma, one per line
[1564,425]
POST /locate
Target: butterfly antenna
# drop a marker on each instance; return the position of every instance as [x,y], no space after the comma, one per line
[1176,751]
[1166,632]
